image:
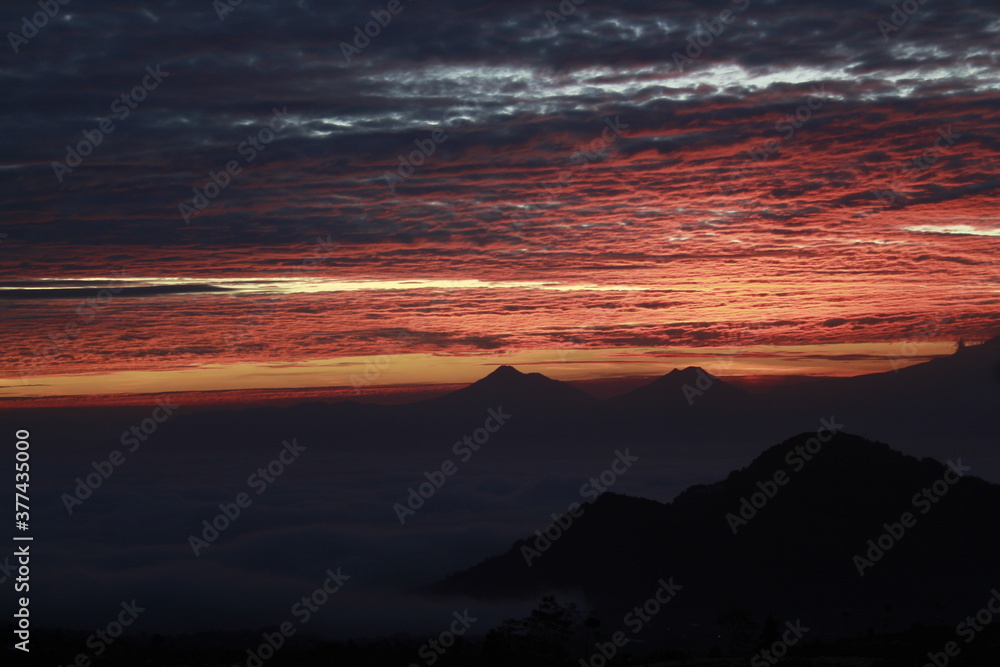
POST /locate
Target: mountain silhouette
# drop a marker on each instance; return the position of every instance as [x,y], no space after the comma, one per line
[809,550]
[531,393]
[680,391]
[942,407]
[793,556]
[947,399]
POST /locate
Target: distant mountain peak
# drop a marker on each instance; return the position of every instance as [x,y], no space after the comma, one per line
[509,386]
[679,377]
[680,389]
[505,371]
[690,371]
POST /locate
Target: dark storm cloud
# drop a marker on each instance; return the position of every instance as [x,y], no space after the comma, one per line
[81,292]
[574,152]
[432,61]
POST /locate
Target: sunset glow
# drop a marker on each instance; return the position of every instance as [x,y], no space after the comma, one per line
[586,219]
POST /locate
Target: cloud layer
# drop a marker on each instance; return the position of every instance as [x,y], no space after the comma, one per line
[828,170]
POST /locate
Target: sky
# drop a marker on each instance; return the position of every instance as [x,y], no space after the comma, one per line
[199,196]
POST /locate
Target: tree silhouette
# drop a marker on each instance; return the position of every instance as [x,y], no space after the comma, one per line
[741,637]
[770,633]
[540,638]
